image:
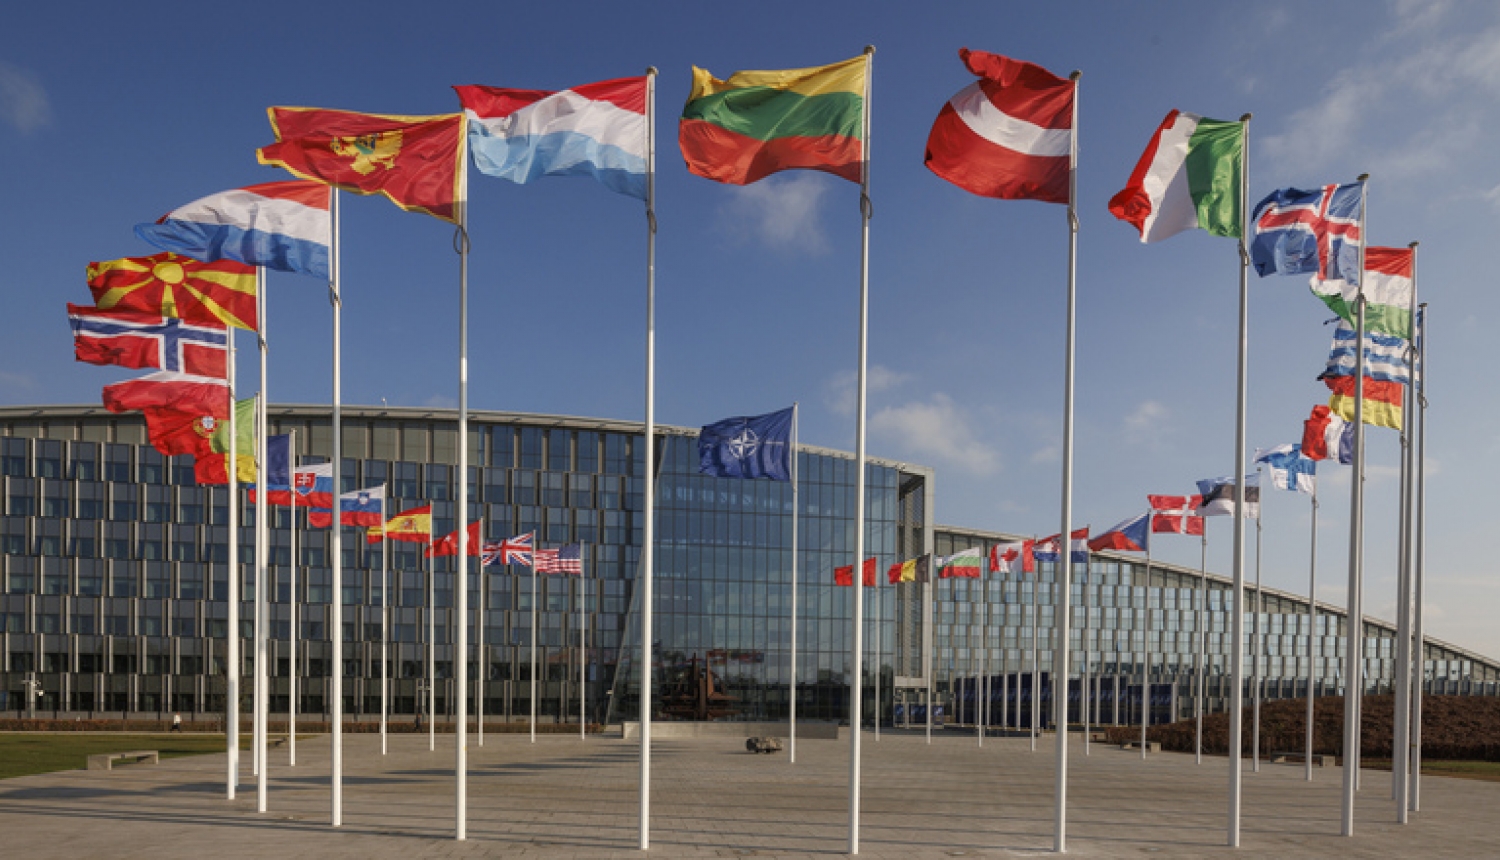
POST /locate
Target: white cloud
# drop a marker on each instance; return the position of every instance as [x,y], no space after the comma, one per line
[935,432]
[23,102]
[839,392]
[781,211]
[1047,454]
[17,381]
[1147,423]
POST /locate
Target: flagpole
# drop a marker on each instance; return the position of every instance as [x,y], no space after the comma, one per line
[291,731]
[1063,602]
[385,612]
[431,640]
[1200,642]
[262,538]
[649,513]
[980,687]
[533,644]
[1354,632]
[583,652]
[1036,655]
[1312,633]
[792,693]
[1083,698]
[1237,634]
[857,664]
[232,644]
[1420,542]
[1255,646]
[461,653]
[336,539]
[1146,658]
[480,662]
[1401,744]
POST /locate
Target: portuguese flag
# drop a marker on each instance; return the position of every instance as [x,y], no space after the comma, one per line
[754,124]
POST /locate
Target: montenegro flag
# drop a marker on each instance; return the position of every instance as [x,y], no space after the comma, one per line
[413,160]
[218,293]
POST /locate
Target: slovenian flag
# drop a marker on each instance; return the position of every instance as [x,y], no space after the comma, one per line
[280,225]
[358,508]
[596,130]
[1188,177]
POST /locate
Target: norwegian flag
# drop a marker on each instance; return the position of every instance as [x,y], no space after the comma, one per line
[143,339]
[516,550]
[1317,232]
[1176,514]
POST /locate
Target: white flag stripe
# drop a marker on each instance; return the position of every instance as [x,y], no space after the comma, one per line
[568,111]
[250,211]
[1001,129]
[1166,183]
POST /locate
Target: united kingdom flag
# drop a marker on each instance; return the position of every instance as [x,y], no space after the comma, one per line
[516,550]
[1317,232]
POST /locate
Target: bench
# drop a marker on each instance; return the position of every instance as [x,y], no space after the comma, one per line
[1298,757]
[1151,746]
[278,742]
[106,761]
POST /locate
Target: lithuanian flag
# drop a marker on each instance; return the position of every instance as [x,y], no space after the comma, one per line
[757,123]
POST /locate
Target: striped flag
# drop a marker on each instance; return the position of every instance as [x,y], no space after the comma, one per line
[1008,134]
[567,558]
[966,563]
[284,226]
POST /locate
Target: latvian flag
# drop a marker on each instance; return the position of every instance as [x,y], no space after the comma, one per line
[1008,134]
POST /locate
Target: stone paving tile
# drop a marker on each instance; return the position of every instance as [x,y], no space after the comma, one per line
[564,798]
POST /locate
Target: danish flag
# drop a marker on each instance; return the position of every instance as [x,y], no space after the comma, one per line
[1176,514]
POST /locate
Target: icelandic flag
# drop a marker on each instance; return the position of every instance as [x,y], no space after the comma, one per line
[356,508]
[284,226]
[1131,535]
[1049,549]
[1289,469]
[596,130]
[143,339]
[1318,231]
[755,446]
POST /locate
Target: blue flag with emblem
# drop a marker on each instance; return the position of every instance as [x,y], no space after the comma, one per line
[753,446]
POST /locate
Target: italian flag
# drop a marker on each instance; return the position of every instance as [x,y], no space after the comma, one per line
[1188,177]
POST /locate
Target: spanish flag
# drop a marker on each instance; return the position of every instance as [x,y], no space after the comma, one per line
[413,525]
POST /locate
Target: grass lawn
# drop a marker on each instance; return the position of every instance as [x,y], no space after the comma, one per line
[23,754]
[1488,771]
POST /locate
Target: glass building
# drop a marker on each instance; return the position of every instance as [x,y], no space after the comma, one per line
[114,581]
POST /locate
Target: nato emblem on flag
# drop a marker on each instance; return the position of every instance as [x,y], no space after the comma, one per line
[756,446]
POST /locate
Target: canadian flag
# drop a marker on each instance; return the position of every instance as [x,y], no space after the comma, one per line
[1176,514]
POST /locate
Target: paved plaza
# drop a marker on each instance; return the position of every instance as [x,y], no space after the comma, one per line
[563,797]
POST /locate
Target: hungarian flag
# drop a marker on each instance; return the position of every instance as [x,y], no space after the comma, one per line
[413,160]
[413,525]
[1008,134]
[1388,289]
[143,339]
[1188,177]
[448,543]
[221,293]
[845,575]
[1177,514]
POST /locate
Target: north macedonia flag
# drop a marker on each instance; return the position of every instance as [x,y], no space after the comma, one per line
[221,293]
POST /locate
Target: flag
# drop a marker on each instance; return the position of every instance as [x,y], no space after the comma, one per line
[1388,292]
[1049,549]
[448,544]
[911,570]
[175,432]
[168,389]
[567,558]
[1131,535]
[1008,134]
[279,463]
[1178,514]
[964,563]
[144,339]
[413,525]
[596,130]
[356,508]
[1385,356]
[1218,497]
[1188,177]
[516,550]
[1300,231]
[284,226]
[213,468]
[1382,400]
[414,161]
[1003,557]
[754,446]
[845,575]
[221,293]
[743,129]
[1289,469]
[1325,436]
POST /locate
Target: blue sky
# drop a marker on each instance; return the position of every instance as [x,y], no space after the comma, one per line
[112,114]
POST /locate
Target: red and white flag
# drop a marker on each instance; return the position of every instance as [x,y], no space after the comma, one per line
[1004,557]
[166,389]
[1008,134]
[1177,514]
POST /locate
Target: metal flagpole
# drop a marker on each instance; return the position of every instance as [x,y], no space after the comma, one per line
[1401,743]
[533,644]
[981,686]
[1063,602]
[792,692]
[1312,634]
[648,532]
[480,663]
[1083,698]
[583,647]
[857,658]
[1200,642]
[431,643]
[879,602]
[461,652]
[262,539]
[232,660]
[1237,621]
[1036,656]
[385,619]
[1354,631]
[291,727]
[1420,546]
[1255,646]
[336,538]
[1146,656]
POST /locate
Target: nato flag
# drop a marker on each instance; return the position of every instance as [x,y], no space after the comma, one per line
[278,462]
[756,446]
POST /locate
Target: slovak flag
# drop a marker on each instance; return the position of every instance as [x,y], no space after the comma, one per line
[1131,535]
[284,226]
[1050,549]
[1176,514]
[312,486]
[1003,557]
[356,508]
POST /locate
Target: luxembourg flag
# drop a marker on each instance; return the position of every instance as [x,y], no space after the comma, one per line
[358,508]
[1131,535]
[280,225]
[596,130]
